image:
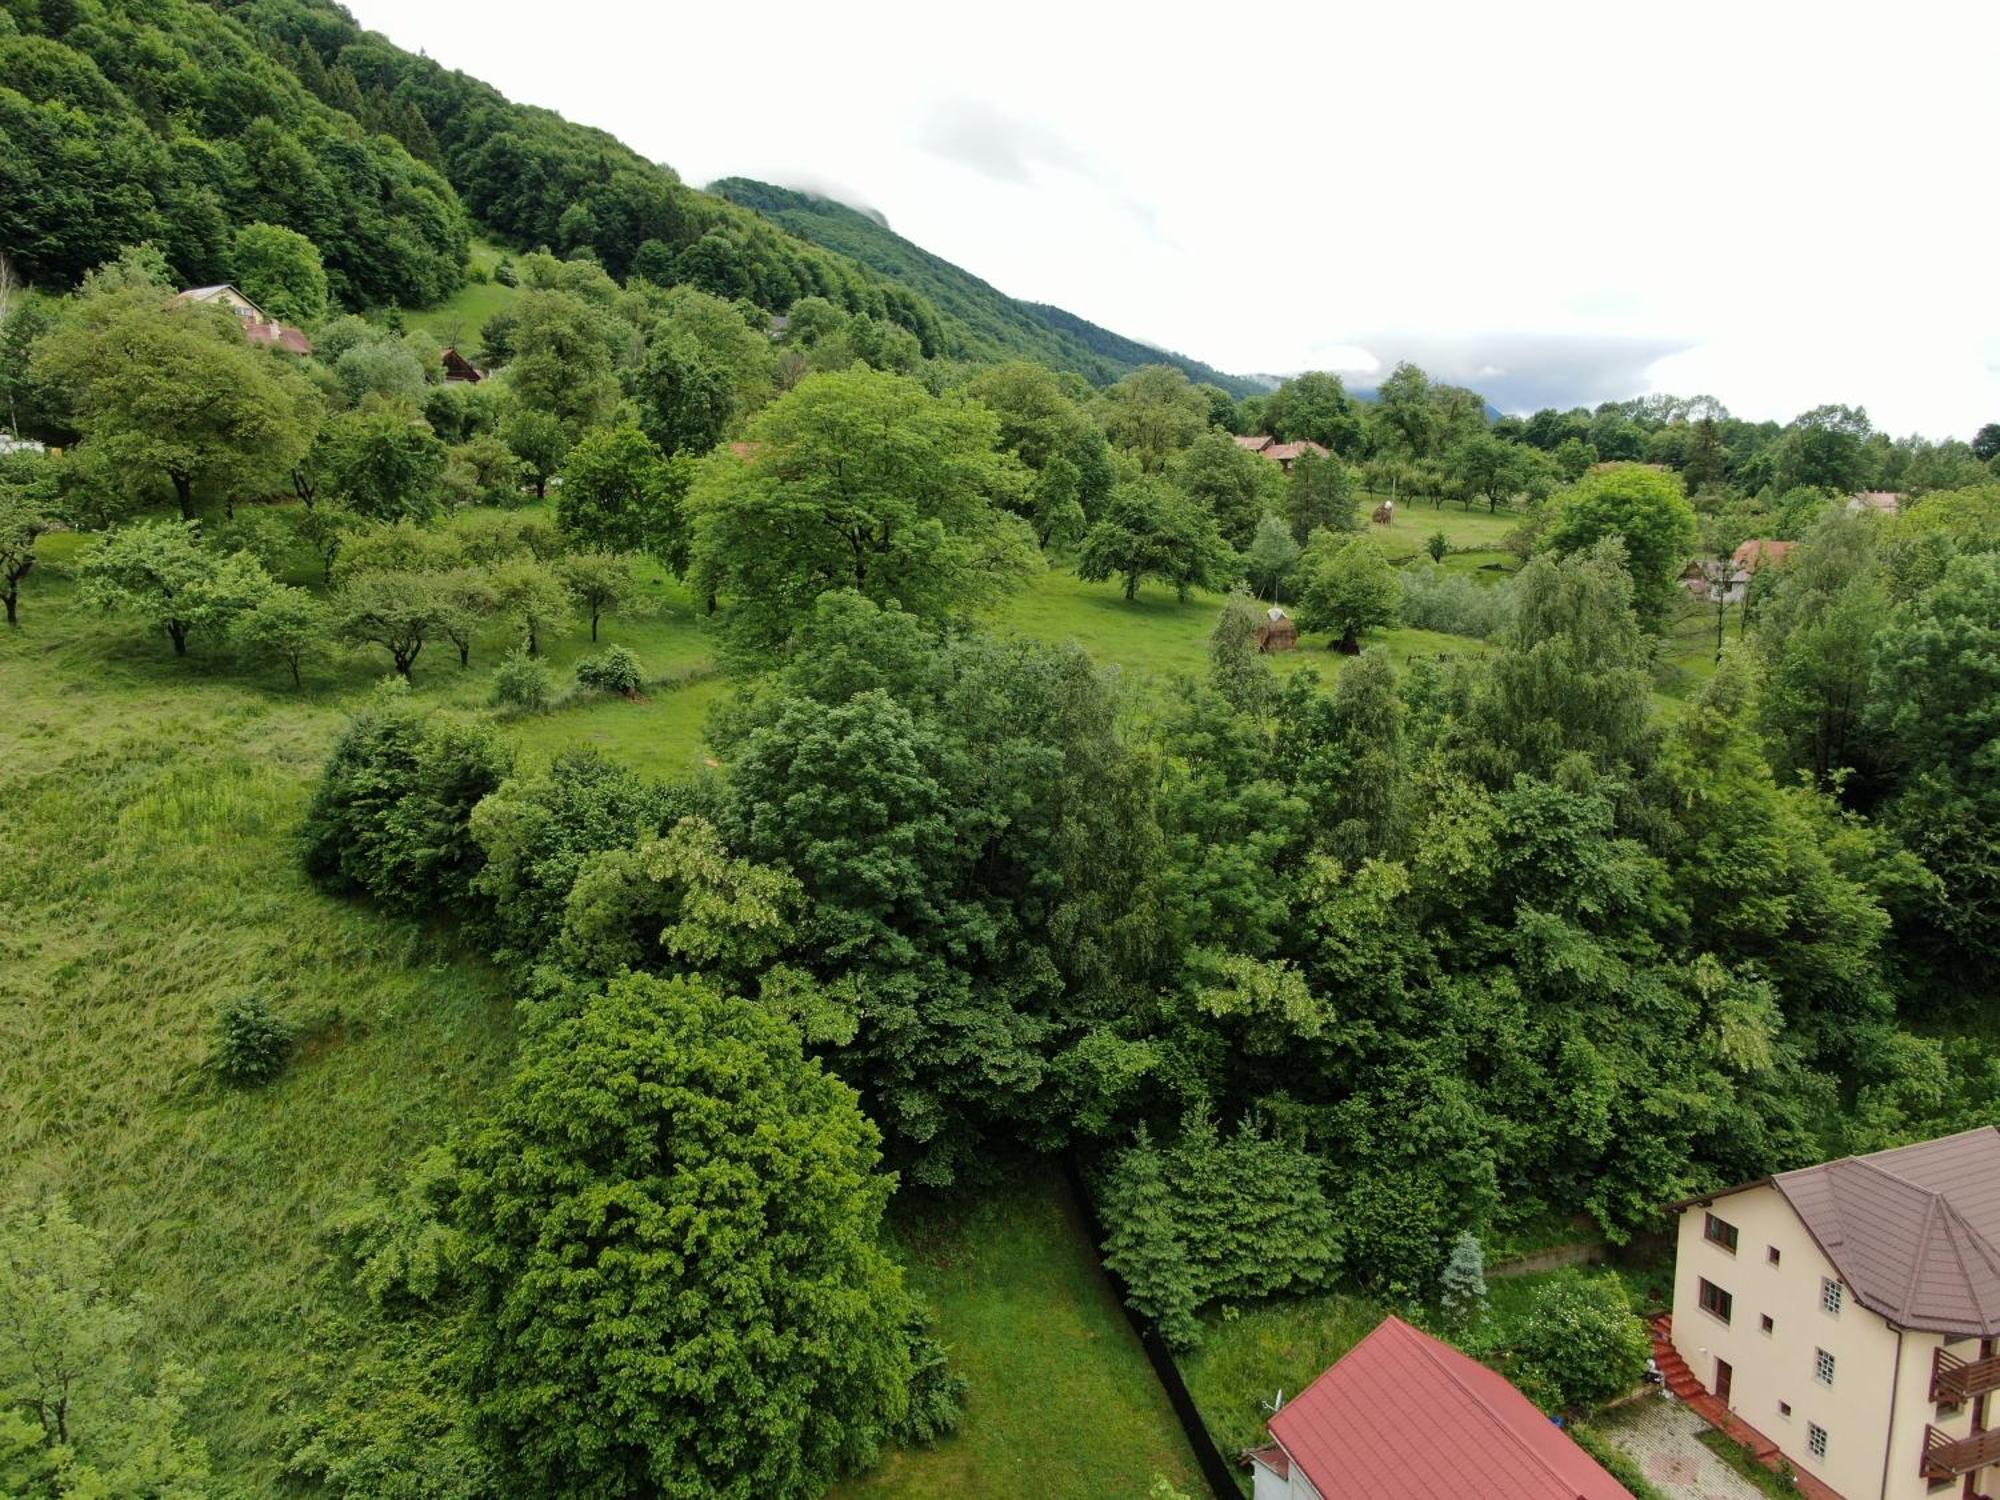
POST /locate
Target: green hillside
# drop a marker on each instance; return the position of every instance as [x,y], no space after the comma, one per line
[999,325]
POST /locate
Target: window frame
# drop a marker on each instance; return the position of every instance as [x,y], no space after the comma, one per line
[1832,1296]
[1772,1255]
[1823,1366]
[1707,1293]
[1816,1441]
[1728,1237]
[1766,1324]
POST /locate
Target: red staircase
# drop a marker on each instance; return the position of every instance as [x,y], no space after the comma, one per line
[1674,1372]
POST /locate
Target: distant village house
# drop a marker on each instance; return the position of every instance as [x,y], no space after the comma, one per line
[458,367]
[1281,454]
[258,326]
[1883,502]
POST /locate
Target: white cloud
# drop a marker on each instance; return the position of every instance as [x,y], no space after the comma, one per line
[1771,199]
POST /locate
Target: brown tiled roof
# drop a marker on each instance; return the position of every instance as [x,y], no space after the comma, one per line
[1256,443]
[1286,452]
[1914,1231]
[1402,1416]
[1755,554]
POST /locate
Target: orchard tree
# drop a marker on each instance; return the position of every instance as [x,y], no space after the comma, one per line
[159,571]
[280,270]
[530,593]
[1319,494]
[864,481]
[173,389]
[397,611]
[287,625]
[539,442]
[1484,465]
[30,496]
[673,1243]
[1151,529]
[620,493]
[562,348]
[1346,586]
[1647,509]
[466,602]
[602,583]
[385,463]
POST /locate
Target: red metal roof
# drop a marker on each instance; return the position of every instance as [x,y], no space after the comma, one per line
[1405,1417]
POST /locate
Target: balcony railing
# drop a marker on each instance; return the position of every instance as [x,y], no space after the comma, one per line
[1946,1457]
[1956,1381]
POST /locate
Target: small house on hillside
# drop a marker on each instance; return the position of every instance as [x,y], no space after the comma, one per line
[1760,553]
[458,367]
[1281,454]
[1279,632]
[1883,502]
[1404,1416]
[258,326]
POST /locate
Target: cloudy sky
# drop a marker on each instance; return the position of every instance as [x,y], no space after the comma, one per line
[1776,203]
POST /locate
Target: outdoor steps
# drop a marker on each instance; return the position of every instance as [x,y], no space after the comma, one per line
[1674,1372]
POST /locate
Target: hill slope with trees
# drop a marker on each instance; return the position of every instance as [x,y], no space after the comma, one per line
[1004,326]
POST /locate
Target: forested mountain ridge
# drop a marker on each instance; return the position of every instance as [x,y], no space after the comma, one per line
[1006,326]
[175,126]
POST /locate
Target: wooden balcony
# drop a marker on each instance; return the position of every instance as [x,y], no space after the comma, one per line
[1947,1457]
[1956,1381]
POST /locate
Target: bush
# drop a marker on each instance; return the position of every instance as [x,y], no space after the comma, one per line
[523,682]
[616,671]
[1580,1343]
[1454,603]
[251,1043]
[392,817]
[937,1391]
[1213,1218]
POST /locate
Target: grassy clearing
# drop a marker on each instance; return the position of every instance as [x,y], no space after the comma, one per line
[150,808]
[1473,534]
[1158,636]
[457,320]
[1062,1400]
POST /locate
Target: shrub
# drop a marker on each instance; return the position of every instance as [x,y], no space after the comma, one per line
[1454,603]
[1580,1343]
[523,682]
[251,1043]
[392,817]
[1437,544]
[1213,1218]
[615,671]
[1462,1286]
[937,1391]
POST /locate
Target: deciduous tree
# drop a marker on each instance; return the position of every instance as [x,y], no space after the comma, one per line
[159,571]
[1152,530]
[1346,586]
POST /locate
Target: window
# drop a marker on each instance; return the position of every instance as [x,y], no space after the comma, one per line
[1829,1295]
[1719,1232]
[1815,1440]
[1822,1367]
[1785,1410]
[1764,1322]
[1715,1300]
[1771,1254]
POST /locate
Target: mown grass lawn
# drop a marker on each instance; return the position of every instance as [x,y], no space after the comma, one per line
[1062,1401]
[458,319]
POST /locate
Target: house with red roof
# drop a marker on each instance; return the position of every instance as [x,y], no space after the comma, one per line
[1404,1416]
[258,326]
[1281,454]
[1848,1314]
